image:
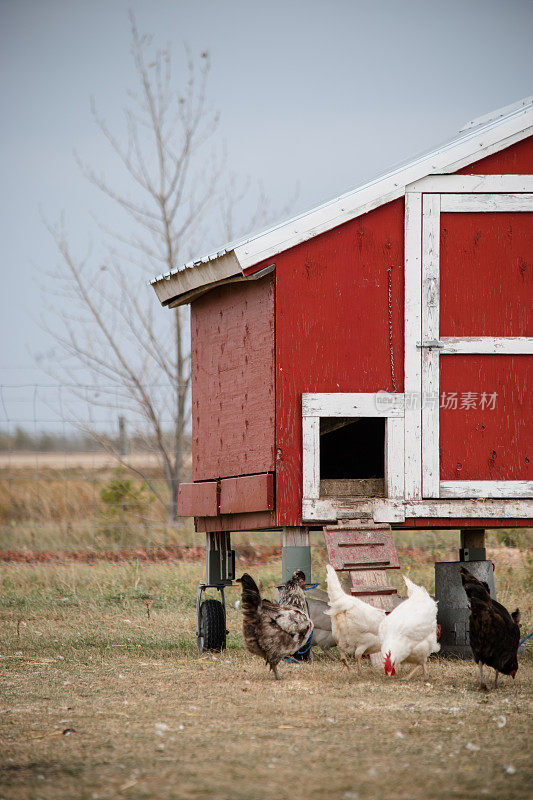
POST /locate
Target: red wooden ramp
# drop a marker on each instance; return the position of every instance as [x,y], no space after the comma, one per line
[366,550]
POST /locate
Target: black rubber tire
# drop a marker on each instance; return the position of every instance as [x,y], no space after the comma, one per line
[211,626]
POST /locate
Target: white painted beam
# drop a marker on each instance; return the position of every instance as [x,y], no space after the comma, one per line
[394,457]
[356,404]
[311,456]
[469,203]
[470,489]
[430,332]
[488,345]
[384,510]
[472,183]
[413,356]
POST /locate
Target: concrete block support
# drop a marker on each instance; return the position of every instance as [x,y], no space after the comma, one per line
[454,611]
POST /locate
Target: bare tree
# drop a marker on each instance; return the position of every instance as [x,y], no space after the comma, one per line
[113,328]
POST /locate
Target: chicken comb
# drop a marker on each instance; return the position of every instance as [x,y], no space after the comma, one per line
[389,666]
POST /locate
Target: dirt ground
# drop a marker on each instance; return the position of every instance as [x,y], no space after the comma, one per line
[104,695]
[203,728]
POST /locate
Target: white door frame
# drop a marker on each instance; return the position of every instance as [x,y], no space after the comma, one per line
[425,201]
[352,404]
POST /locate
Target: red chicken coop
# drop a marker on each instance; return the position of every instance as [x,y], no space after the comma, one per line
[367,365]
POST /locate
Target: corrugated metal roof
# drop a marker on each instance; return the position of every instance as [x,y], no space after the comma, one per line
[476,139]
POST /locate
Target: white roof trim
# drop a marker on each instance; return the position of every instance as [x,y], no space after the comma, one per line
[499,114]
[479,139]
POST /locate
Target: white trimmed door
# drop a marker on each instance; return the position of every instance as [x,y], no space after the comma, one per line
[469,385]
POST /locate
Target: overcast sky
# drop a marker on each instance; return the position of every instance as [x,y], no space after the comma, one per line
[319,95]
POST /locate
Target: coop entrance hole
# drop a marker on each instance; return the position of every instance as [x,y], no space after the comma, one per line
[352,456]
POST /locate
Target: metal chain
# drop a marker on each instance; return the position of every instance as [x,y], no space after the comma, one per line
[389,272]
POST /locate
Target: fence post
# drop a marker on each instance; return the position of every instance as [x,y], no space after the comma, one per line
[122,437]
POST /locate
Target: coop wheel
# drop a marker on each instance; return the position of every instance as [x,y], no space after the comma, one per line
[211,626]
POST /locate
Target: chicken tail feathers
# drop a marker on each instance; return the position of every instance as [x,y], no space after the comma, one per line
[338,599]
[411,587]
[251,598]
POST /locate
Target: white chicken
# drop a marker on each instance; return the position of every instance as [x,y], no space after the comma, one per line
[354,623]
[409,632]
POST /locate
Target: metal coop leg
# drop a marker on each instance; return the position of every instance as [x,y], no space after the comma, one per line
[219,572]
[219,559]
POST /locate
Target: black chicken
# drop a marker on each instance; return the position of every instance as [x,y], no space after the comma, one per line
[494,633]
[271,630]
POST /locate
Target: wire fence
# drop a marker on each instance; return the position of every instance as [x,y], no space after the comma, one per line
[77,476]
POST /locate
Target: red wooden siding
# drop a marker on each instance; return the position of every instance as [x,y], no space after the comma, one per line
[233,411]
[515,160]
[461,522]
[236,522]
[488,444]
[243,495]
[332,335]
[250,493]
[486,282]
[199,499]
[332,328]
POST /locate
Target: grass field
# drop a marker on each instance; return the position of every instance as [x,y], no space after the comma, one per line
[104,695]
[82,501]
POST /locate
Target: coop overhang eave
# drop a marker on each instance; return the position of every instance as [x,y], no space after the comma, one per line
[184,286]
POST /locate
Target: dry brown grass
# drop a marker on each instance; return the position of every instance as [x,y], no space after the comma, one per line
[63,495]
[61,508]
[32,462]
[87,658]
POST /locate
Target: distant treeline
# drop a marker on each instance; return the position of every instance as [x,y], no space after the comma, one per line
[21,440]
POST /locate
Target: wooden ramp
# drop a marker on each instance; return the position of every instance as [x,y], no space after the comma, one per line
[366,550]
